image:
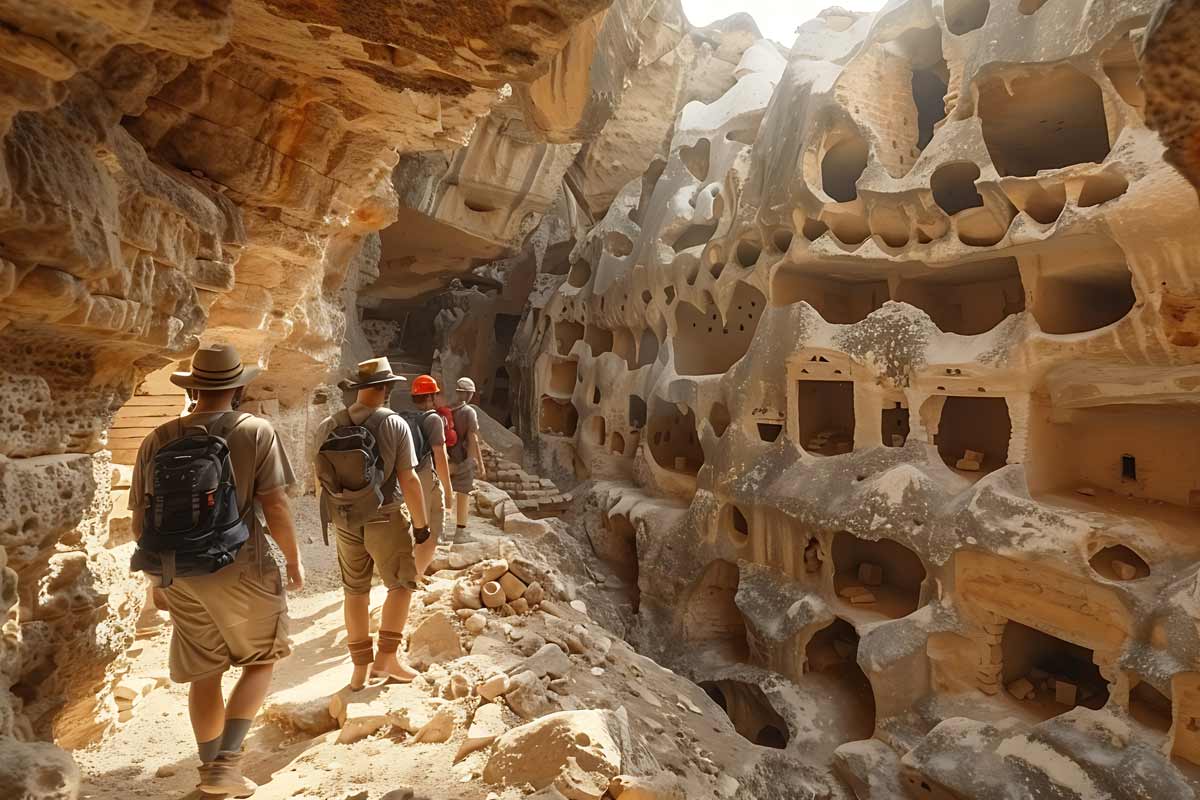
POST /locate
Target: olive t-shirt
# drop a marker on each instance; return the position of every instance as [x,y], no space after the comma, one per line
[260,464]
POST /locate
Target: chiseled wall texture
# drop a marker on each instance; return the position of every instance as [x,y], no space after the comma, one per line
[826,260]
[173,171]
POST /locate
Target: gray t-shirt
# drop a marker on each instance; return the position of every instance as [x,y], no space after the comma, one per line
[435,434]
[466,424]
[394,440]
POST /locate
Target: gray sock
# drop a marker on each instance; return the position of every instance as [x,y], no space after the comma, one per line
[208,750]
[235,733]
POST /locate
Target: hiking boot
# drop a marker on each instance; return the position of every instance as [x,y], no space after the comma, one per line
[224,775]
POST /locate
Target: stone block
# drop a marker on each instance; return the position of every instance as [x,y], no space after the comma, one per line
[870,574]
[1022,689]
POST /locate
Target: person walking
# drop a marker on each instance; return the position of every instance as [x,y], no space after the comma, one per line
[433,465]
[198,484]
[466,458]
[373,534]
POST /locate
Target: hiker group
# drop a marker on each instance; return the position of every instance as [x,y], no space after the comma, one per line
[209,488]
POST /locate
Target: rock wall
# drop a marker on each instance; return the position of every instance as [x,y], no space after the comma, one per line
[886,379]
[179,170]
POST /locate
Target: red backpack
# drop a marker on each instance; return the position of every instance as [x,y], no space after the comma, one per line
[448,417]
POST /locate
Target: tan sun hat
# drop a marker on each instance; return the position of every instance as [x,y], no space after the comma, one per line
[466,385]
[372,372]
[215,367]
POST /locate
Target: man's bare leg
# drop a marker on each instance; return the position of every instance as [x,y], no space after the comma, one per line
[392,620]
[356,609]
[462,508]
[206,709]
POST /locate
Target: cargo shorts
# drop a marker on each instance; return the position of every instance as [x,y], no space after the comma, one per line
[235,617]
[462,476]
[385,546]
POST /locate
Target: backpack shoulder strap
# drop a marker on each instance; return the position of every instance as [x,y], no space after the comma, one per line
[227,423]
[376,419]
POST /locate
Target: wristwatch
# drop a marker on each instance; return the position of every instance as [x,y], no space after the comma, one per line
[420,535]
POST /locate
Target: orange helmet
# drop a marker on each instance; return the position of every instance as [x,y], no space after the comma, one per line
[424,384]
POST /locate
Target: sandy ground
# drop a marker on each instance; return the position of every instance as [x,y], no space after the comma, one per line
[153,754]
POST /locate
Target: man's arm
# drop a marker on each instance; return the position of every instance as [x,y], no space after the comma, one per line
[477,454]
[279,523]
[442,464]
[414,496]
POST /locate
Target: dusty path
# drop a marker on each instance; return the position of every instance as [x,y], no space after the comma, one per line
[153,754]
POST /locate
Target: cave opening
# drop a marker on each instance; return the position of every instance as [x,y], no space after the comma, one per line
[580,274]
[504,328]
[842,165]
[838,301]
[953,187]
[599,339]
[557,417]
[750,711]
[712,617]
[647,348]
[673,440]
[637,412]
[1119,563]
[566,334]
[825,416]
[1045,121]
[621,554]
[831,657]
[967,299]
[694,236]
[929,94]
[563,376]
[1150,707]
[769,431]
[719,418]
[623,346]
[735,524]
[596,427]
[973,434]
[1082,296]
[617,443]
[893,425]
[501,390]
[1047,674]
[1128,450]
[708,344]
[747,252]
[881,576]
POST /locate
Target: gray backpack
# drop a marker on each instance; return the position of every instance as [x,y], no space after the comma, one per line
[351,471]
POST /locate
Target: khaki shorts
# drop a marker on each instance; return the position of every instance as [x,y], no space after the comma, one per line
[386,546]
[462,476]
[435,512]
[235,617]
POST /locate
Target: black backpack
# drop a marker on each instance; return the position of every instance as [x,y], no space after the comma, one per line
[192,524]
[350,470]
[421,444]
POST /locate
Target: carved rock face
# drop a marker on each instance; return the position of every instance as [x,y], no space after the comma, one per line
[199,169]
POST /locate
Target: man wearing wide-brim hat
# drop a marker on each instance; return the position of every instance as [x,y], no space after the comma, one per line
[236,615]
[383,544]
